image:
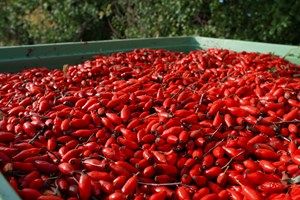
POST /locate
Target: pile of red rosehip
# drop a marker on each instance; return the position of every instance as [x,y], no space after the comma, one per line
[154,124]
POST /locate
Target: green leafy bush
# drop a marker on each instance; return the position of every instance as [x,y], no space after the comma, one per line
[258,20]
[29,22]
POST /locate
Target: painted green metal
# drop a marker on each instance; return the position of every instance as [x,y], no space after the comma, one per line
[55,55]
[289,52]
[16,58]
[6,192]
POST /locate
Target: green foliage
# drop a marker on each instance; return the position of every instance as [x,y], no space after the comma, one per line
[54,21]
[275,21]
[154,18]
[258,20]
[44,21]
[13,30]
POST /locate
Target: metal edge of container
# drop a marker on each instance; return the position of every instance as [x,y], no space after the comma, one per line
[15,58]
[6,191]
[289,52]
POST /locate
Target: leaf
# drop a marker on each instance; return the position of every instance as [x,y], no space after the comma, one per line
[272,70]
[65,69]
[101,14]
[295,180]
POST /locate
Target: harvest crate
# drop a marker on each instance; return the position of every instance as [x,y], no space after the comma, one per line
[16,58]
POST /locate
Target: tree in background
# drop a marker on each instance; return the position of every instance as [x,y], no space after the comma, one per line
[258,20]
[46,21]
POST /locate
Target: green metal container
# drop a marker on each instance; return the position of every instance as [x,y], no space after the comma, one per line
[14,59]
[7,192]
